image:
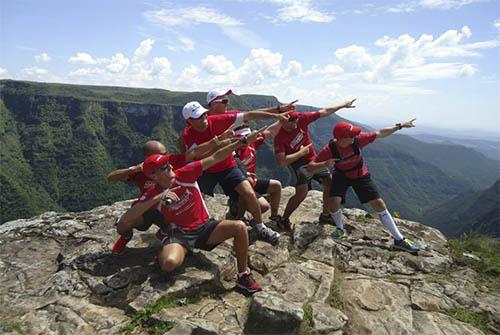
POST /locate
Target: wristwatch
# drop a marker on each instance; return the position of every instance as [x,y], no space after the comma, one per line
[243,139]
[399,126]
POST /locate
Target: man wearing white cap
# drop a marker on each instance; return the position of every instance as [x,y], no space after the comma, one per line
[218,100]
[202,128]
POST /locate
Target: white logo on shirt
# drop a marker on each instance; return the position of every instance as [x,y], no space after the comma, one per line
[297,140]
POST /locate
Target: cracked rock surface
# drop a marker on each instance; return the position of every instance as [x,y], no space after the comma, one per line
[59,277]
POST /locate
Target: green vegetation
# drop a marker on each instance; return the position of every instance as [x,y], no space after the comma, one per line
[478,320]
[306,324]
[335,295]
[470,212]
[143,317]
[13,327]
[485,248]
[435,278]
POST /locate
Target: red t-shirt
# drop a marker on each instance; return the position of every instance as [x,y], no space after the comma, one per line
[290,142]
[248,156]
[144,183]
[217,124]
[190,211]
[363,140]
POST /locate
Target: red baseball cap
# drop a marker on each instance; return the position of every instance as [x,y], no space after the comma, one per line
[345,130]
[153,162]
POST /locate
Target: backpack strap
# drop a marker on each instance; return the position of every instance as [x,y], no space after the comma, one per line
[334,150]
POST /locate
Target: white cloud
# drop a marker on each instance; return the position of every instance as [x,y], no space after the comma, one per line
[85,72]
[302,11]
[244,37]
[293,69]
[406,55]
[3,72]
[189,78]
[183,43]
[161,67]
[144,49]
[118,63]
[217,64]
[42,58]
[34,71]
[332,70]
[189,16]
[411,6]
[82,58]
[496,24]
[435,71]
[355,56]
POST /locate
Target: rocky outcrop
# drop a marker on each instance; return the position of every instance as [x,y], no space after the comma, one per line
[59,277]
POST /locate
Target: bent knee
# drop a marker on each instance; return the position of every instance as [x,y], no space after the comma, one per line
[169,264]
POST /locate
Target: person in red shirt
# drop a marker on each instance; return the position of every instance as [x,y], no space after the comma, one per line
[293,148]
[177,197]
[247,156]
[136,175]
[343,153]
[202,128]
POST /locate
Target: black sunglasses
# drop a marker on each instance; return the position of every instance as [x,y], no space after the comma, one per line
[292,119]
[165,167]
[224,101]
[199,117]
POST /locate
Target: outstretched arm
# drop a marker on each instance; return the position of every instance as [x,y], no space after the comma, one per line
[315,166]
[122,174]
[209,147]
[330,110]
[224,152]
[284,160]
[384,132]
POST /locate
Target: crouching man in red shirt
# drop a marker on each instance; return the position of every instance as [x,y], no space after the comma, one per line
[177,196]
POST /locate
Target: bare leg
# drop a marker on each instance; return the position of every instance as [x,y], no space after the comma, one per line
[296,200]
[335,203]
[274,190]
[327,183]
[227,229]
[247,193]
[378,205]
[171,256]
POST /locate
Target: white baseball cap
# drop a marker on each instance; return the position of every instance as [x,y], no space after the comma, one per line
[193,110]
[242,131]
[212,95]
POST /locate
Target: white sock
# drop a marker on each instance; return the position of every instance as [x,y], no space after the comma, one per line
[386,218]
[243,273]
[260,226]
[337,218]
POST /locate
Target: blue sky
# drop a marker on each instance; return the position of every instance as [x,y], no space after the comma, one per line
[436,60]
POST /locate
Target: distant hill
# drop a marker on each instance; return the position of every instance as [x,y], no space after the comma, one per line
[60,141]
[470,212]
[488,147]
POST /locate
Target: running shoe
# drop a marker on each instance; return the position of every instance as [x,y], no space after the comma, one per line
[406,245]
[285,225]
[339,233]
[120,244]
[266,234]
[247,283]
[232,213]
[325,219]
[161,235]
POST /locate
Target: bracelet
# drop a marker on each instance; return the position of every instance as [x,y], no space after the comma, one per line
[216,140]
[399,126]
